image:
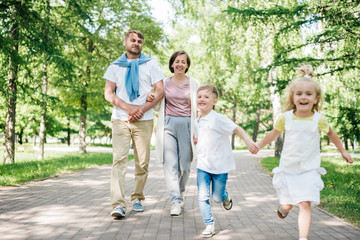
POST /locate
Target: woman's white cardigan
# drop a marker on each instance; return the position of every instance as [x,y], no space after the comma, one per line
[159,146]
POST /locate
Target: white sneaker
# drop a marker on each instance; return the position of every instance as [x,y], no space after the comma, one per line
[209,231]
[175,209]
[182,200]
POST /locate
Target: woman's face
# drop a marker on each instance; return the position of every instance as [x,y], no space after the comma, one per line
[180,64]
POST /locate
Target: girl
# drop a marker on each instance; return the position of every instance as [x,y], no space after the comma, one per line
[297,180]
[215,158]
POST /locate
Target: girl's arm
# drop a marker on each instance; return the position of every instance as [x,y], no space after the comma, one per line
[249,143]
[334,138]
[271,136]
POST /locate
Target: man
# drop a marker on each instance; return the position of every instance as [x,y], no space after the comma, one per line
[128,81]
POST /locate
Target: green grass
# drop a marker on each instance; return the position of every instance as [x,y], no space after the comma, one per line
[55,163]
[341,194]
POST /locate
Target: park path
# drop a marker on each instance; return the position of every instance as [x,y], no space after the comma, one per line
[77,206]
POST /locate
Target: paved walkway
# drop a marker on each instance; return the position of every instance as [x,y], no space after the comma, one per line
[77,206]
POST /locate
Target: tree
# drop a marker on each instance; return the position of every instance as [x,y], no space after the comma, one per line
[329,40]
[98,28]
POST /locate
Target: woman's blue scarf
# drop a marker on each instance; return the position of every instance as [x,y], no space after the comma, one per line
[132,73]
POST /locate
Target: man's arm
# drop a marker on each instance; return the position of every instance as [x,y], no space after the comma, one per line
[114,100]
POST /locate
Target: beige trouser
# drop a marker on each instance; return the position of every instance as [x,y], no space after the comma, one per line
[122,133]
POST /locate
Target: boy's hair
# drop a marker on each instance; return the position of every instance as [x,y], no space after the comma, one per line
[209,88]
[306,74]
[174,56]
[137,32]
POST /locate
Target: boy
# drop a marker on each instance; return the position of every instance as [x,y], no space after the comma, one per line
[215,158]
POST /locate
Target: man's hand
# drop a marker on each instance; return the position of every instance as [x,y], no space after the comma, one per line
[135,113]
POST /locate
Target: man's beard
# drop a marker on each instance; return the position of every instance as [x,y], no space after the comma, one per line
[134,52]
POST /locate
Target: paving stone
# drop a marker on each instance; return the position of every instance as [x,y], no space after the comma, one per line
[77,206]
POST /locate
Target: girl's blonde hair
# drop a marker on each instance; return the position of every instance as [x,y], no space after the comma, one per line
[306,74]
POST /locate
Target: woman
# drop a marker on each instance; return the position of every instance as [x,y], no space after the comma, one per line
[174,144]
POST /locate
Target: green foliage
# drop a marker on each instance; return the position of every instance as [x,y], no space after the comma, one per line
[322,33]
[76,40]
[341,193]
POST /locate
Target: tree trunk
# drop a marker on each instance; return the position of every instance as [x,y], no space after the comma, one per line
[9,154]
[346,143]
[43,115]
[257,123]
[20,136]
[234,119]
[42,133]
[275,99]
[82,131]
[68,131]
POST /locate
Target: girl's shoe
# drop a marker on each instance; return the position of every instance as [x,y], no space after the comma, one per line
[209,231]
[282,213]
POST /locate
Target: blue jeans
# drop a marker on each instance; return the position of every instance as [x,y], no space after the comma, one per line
[218,184]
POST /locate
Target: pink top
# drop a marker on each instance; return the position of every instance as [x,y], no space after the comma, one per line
[177,99]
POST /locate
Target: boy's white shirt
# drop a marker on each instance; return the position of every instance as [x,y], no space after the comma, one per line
[213,149]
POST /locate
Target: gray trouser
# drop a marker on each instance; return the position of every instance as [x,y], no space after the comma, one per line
[177,155]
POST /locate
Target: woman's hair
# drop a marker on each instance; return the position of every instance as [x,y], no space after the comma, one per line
[209,88]
[173,57]
[306,74]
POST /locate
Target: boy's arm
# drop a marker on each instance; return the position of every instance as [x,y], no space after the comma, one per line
[249,143]
[271,136]
[334,138]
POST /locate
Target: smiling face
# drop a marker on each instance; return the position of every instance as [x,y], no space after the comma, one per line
[180,64]
[133,45]
[205,101]
[304,98]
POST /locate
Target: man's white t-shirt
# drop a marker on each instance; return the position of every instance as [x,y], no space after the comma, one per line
[214,153]
[149,74]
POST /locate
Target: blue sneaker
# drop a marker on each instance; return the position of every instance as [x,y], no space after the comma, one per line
[118,211]
[137,206]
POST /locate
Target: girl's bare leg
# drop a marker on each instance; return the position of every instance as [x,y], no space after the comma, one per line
[304,219]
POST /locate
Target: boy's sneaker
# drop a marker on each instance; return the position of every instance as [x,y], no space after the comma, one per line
[118,211]
[209,231]
[282,213]
[137,206]
[227,204]
[175,209]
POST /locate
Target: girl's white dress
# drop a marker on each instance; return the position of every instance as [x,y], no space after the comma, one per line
[298,177]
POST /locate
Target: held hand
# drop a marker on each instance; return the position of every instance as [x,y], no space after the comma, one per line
[257,148]
[253,148]
[347,157]
[135,113]
[150,97]
[195,140]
